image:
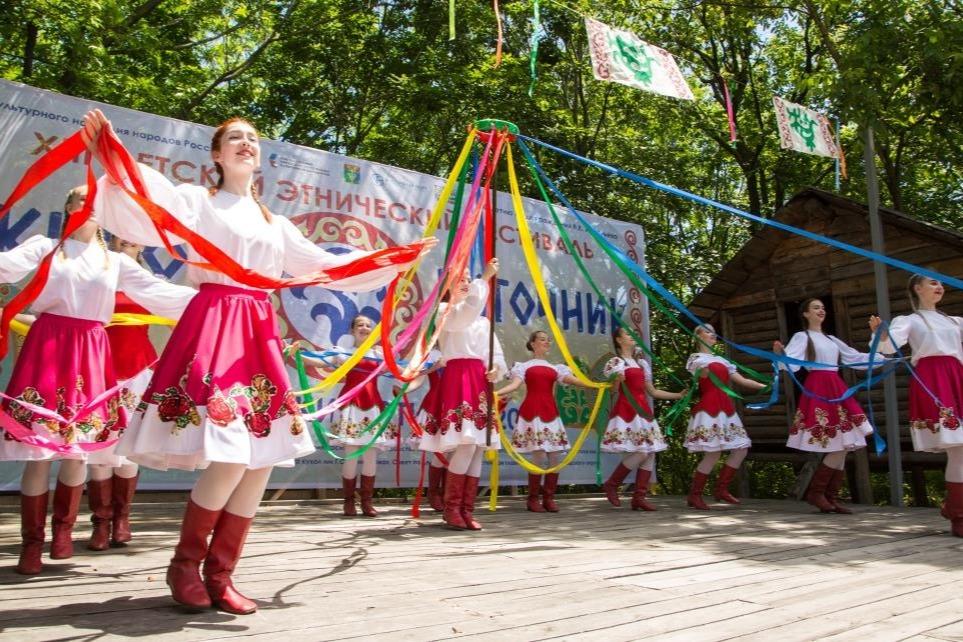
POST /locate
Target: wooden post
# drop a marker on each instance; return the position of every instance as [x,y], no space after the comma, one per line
[883,309]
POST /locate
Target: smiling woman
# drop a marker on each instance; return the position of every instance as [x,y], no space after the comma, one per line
[220,398]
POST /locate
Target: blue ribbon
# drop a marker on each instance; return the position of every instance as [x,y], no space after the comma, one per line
[881,258]
[325,357]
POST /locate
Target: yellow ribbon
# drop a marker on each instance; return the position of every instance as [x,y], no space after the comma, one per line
[341,371]
[126,318]
[19,327]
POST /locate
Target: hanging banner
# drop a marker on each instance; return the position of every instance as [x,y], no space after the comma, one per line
[804,130]
[623,57]
[339,203]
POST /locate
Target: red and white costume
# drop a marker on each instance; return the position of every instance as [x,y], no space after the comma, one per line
[935,339]
[821,426]
[463,404]
[220,391]
[355,417]
[72,308]
[539,426]
[714,426]
[627,430]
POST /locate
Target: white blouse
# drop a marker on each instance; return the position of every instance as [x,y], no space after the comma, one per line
[465,333]
[519,369]
[829,350]
[233,223]
[929,334]
[699,360]
[618,365]
[84,285]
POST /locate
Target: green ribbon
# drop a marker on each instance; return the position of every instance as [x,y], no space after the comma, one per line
[380,423]
[536,37]
[451,19]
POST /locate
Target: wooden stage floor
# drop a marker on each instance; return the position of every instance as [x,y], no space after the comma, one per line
[768,570]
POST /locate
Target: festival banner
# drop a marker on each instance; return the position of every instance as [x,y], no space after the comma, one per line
[339,203]
[623,57]
[804,130]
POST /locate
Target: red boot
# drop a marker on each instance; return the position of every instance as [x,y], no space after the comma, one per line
[832,492]
[694,500]
[816,495]
[348,486]
[953,508]
[468,503]
[367,496]
[548,492]
[436,487]
[102,512]
[33,520]
[183,574]
[534,503]
[65,506]
[721,493]
[611,486]
[230,533]
[122,494]
[641,487]
[454,490]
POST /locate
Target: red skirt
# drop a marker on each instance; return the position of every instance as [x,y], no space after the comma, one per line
[936,427]
[81,370]
[462,409]
[820,426]
[220,390]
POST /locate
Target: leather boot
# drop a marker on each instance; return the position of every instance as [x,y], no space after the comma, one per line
[122,494]
[953,507]
[548,492]
[454,489]
[102,513]
[534,503]
[230,533]
[611,485]
[33,521]
[639,502]
[348,486]
[183,574]
[367,496]
[468,503]
[832,492]
[816,495]
[65,506]
[694,500]
[721,493]
[436,487]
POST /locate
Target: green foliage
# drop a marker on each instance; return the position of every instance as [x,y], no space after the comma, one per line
[381,80]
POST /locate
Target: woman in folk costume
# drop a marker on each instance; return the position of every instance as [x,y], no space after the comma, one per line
[428,416]
[715,427]
[350,428]
[220,398]
[72,308]
[822,425]
[632,429]
[461,430]
[936,390]
[539,429]
[113,478]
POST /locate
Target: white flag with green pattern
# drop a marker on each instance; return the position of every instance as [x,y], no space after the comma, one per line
[621,56]
[804,130]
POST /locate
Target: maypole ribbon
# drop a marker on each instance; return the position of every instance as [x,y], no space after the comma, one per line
[840,245]
[730,113]
[538,31]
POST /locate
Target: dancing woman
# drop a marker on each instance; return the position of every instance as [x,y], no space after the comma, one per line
[72,308]
[220,398]
[822,425]
[715,427]
[632,429]
[464,404]
[936,340]
[539,430]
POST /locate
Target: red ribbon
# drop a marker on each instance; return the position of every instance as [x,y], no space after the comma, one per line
[729,112]
[122,169]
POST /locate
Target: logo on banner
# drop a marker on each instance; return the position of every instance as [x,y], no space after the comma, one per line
[324,316]
[352,174]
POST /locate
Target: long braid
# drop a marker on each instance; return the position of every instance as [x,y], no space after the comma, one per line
[103,246]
